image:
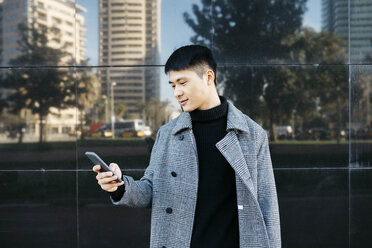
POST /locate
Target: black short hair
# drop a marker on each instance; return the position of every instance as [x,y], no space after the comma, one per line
[193,57]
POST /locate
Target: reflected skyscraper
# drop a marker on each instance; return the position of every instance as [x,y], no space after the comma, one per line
[61,16]
[130,36]
[335,18]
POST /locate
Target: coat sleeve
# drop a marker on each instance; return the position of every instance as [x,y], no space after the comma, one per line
[138,193]
[267,196]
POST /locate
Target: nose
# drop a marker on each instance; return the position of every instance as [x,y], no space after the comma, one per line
[177,91]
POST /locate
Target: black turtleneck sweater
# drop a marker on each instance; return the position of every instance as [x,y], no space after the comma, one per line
[216,215]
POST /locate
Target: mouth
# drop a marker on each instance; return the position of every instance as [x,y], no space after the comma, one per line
[183,102]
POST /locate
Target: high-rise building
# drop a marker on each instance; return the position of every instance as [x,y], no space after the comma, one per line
[61,16]
[335,18]
[130,36]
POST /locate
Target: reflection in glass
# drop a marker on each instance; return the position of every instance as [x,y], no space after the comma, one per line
[60,23]
[37,106]
[360,31]
[129,32]
[360,207]
[246,31]
[361,116]
[131,99]
[303,108]
[38,208]
[128,139]
[303,98]
[336,19]
[40,102]
[313,203]
[96,211]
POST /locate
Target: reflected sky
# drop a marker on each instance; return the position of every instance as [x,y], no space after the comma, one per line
[174,31]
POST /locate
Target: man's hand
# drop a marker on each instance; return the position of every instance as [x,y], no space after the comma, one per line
[106,179]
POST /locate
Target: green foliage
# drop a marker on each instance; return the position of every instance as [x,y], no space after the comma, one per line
[270,33]
[120,109]
[42,88]
[246,29]
[88,92]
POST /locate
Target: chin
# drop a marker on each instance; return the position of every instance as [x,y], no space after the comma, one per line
[188,109]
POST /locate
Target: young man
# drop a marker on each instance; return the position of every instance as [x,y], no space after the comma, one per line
[210,181]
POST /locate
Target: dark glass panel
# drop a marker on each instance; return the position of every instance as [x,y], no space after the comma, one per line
[360,207]
[102,224]
[314,205]
[38,209]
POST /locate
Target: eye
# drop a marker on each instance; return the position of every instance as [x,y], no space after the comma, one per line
[183,83]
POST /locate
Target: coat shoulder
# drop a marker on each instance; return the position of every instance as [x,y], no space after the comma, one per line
[254,127]
[168,127]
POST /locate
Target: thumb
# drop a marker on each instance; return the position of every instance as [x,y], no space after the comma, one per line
[114,167]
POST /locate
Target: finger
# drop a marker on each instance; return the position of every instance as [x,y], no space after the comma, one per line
[113,166]
[116,184]
[107,180]
[97,168]
[102,175]
[111,187]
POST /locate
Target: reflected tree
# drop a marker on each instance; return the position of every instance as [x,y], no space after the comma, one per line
[97,113]
[270,32]
[326,87]
[154,112]
[120,110]
[88,91]
[247,29]
[39,89]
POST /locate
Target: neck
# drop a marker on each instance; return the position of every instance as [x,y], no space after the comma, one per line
[213,101]
[210,114]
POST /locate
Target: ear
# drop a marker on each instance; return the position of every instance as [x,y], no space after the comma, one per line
[210,77]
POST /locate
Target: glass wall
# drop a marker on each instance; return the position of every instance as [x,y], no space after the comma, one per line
[88,75]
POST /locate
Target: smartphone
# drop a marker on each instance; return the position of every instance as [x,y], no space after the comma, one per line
[97,160]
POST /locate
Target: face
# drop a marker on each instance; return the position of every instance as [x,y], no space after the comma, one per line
[191,91]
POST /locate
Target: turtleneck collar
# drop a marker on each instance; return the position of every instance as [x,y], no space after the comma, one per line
[210,114]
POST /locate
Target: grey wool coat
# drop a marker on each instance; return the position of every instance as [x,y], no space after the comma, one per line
[173,199]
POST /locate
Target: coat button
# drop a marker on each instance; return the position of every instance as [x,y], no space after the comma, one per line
[169,210]
[180,137]
[174,174]
[163,246]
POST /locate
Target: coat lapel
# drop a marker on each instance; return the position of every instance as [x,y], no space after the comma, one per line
[183,122]
[230,148]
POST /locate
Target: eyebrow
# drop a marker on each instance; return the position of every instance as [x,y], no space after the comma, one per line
[179,79]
